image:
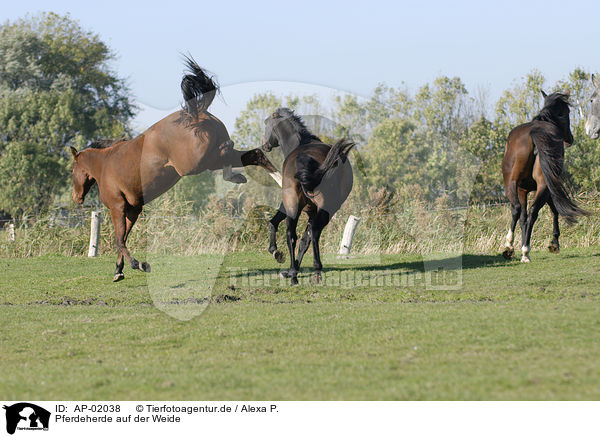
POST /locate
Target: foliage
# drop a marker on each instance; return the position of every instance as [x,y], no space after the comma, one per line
[442,139]
[56,90]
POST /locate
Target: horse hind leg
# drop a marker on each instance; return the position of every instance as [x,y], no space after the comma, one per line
[258,158]
[228,174]
[229,158]
[509,249]
[317,225]
[129,222]
[554,246]
[122,223]
[522,194]
[292,237]
[541,198]
[515,207]
[304,243]
[119,275]
[273,226]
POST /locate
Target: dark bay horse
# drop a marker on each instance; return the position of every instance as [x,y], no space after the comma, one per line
[131,173]
[592,124]
[317,179]
[533,161]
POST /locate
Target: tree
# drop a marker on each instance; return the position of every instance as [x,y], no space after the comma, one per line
[583,157]
[56,90]
[521,103]
[249,126]
[443,112]
[483,141]
[393,157]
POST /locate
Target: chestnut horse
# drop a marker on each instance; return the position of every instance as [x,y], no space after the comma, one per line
[533,161]
[317,179]
[131,173]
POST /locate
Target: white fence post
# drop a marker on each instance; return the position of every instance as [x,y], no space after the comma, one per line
[349,230]
[11,232]
[94,234]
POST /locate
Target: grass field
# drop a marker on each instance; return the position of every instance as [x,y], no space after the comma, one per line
[374,331]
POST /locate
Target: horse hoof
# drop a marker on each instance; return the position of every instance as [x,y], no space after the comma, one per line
[508,253]
[279,256]
[294,281]
[288,274]
[118,277]
[145,267]
[316,278]
[237,178]
[525,259]
[553,248]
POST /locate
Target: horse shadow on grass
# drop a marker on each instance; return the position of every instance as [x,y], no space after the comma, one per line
[452,263]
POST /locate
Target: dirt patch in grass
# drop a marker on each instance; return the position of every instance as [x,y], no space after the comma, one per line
[68,301]
[224,298]
[188,301]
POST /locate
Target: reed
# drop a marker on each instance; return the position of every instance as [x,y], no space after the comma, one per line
[388,225]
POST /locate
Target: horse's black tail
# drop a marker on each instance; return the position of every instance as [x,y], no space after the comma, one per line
[310,173]
[198,88]
[551,152]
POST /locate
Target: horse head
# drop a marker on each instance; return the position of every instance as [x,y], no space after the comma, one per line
[270,138]
[557,109]
[82,180]
[285,129]
[592,124]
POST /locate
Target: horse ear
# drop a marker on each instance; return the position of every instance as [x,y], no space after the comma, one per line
[567,92]
[74,151]
[544,94]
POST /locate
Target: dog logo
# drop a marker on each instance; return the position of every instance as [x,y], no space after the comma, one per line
[26,416]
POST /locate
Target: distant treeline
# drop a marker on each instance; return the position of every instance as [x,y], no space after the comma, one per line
[440,142]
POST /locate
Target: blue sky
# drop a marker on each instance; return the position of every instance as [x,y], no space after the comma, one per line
[344,46]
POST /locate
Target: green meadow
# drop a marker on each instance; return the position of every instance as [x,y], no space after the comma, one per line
[376,328]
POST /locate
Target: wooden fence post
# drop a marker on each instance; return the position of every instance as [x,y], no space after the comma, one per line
[94,234]
[11,232]
[349,230]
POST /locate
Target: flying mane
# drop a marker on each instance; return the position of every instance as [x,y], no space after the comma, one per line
[546,113]
[306,135]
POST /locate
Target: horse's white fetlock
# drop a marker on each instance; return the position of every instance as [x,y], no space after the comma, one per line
[525,258]
[510,238]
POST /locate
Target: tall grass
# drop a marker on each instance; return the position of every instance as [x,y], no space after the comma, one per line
[232,224]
